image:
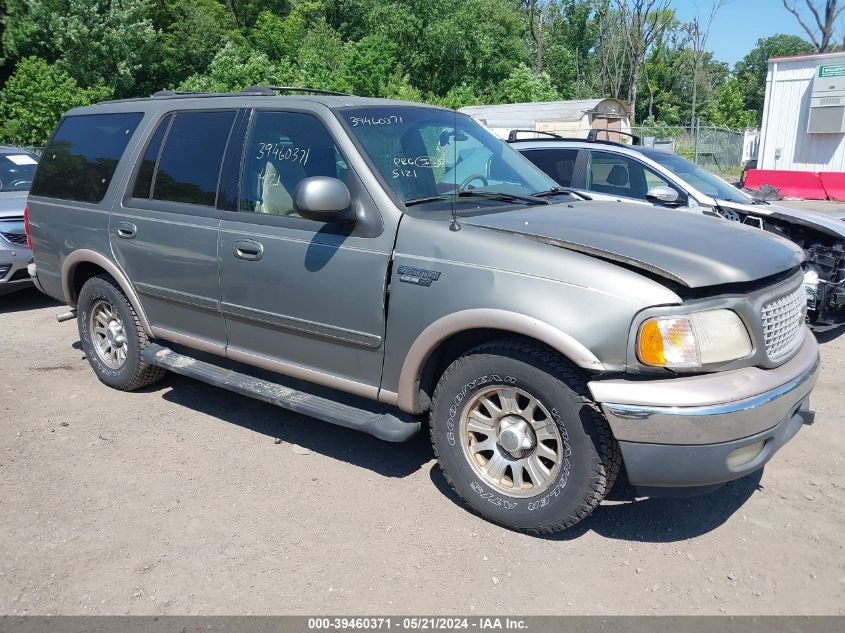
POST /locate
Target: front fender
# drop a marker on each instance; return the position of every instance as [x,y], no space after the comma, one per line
[408,397]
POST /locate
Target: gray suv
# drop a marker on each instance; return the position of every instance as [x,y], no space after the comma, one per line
[319,252]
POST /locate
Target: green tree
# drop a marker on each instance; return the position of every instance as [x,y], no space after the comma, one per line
[95,41]
[320,59]
[728,109]
[191,32]
[370,65]
[36,96]
[523,85]
[245,12]
[751,70]
[281,37]
[459,96]
[237,66]
[570,37]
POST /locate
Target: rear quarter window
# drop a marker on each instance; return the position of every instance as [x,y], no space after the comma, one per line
[81,158]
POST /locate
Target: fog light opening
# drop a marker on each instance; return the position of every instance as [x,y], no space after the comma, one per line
[745,455]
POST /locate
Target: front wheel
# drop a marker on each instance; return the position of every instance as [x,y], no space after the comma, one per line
[518,438]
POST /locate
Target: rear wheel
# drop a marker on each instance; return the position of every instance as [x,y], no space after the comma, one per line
[518,438]
[112,337]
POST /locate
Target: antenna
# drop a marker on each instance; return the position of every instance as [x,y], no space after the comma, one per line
[454,226]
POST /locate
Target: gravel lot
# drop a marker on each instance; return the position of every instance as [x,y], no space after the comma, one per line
[176,500]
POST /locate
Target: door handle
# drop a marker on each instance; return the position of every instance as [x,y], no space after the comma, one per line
[125,230]
[249,250]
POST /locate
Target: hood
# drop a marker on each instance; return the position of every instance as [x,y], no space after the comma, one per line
[830,224]
[12,203]
[692,250]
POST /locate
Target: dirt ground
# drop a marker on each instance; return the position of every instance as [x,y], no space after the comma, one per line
[176,500]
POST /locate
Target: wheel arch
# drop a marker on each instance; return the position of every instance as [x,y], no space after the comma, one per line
[82,264]
[452,335]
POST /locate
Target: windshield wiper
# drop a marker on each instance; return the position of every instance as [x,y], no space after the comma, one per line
[474,193]
[560,190]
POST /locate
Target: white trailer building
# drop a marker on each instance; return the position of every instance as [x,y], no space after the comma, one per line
[567,118]
[804,114]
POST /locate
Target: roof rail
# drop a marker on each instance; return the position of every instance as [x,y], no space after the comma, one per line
[249,91]
[272,90]
[594,136]
[513,135]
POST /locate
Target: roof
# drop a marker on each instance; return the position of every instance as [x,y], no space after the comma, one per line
[540,110]
[840,55]
[579,143]
[245,99]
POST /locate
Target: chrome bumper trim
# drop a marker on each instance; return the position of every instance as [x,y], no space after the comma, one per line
[720,421]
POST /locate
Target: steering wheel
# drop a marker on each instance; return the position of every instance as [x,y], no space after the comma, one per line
[470,178]
[18,183]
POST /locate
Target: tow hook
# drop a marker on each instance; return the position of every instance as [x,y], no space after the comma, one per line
[61,317]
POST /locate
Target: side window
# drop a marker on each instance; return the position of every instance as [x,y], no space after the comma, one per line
[189,166]
[282,149]
[616,175]
[653,179]
[144,179]
[81,158]
[557,163]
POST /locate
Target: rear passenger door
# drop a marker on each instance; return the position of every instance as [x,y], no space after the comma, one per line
[302,297]
[164,232]
[564,165]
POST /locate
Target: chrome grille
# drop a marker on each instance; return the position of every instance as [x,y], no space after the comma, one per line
[18,239]
[783,323]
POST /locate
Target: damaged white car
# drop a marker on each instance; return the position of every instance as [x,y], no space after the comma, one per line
[606,170]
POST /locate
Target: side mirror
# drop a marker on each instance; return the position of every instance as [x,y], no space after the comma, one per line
[663,195]
[323,199]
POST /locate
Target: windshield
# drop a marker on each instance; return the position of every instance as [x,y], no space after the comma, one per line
[16,170]
[699,178]
[429,156]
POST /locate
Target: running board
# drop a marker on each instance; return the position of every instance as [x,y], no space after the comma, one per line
[385,426]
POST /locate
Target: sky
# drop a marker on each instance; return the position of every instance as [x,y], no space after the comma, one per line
[740,23]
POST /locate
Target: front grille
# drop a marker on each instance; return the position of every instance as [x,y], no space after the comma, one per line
[4,270]
[20,275]
[783,323]
[19,239]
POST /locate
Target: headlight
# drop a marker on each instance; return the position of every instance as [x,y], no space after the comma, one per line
[693,340]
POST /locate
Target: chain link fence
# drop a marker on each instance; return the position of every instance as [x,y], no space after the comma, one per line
[718,149]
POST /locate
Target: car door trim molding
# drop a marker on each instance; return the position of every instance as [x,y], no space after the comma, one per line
[427,342]
[303,326]
[85,255]
[176,296]
[303,373]
[201,344]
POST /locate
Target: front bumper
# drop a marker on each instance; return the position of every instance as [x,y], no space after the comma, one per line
[689,431]
[13,263]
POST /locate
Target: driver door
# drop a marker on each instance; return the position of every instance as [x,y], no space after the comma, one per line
[301,297]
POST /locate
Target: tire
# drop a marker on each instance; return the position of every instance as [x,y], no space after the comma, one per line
[587,459]
[132,372]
